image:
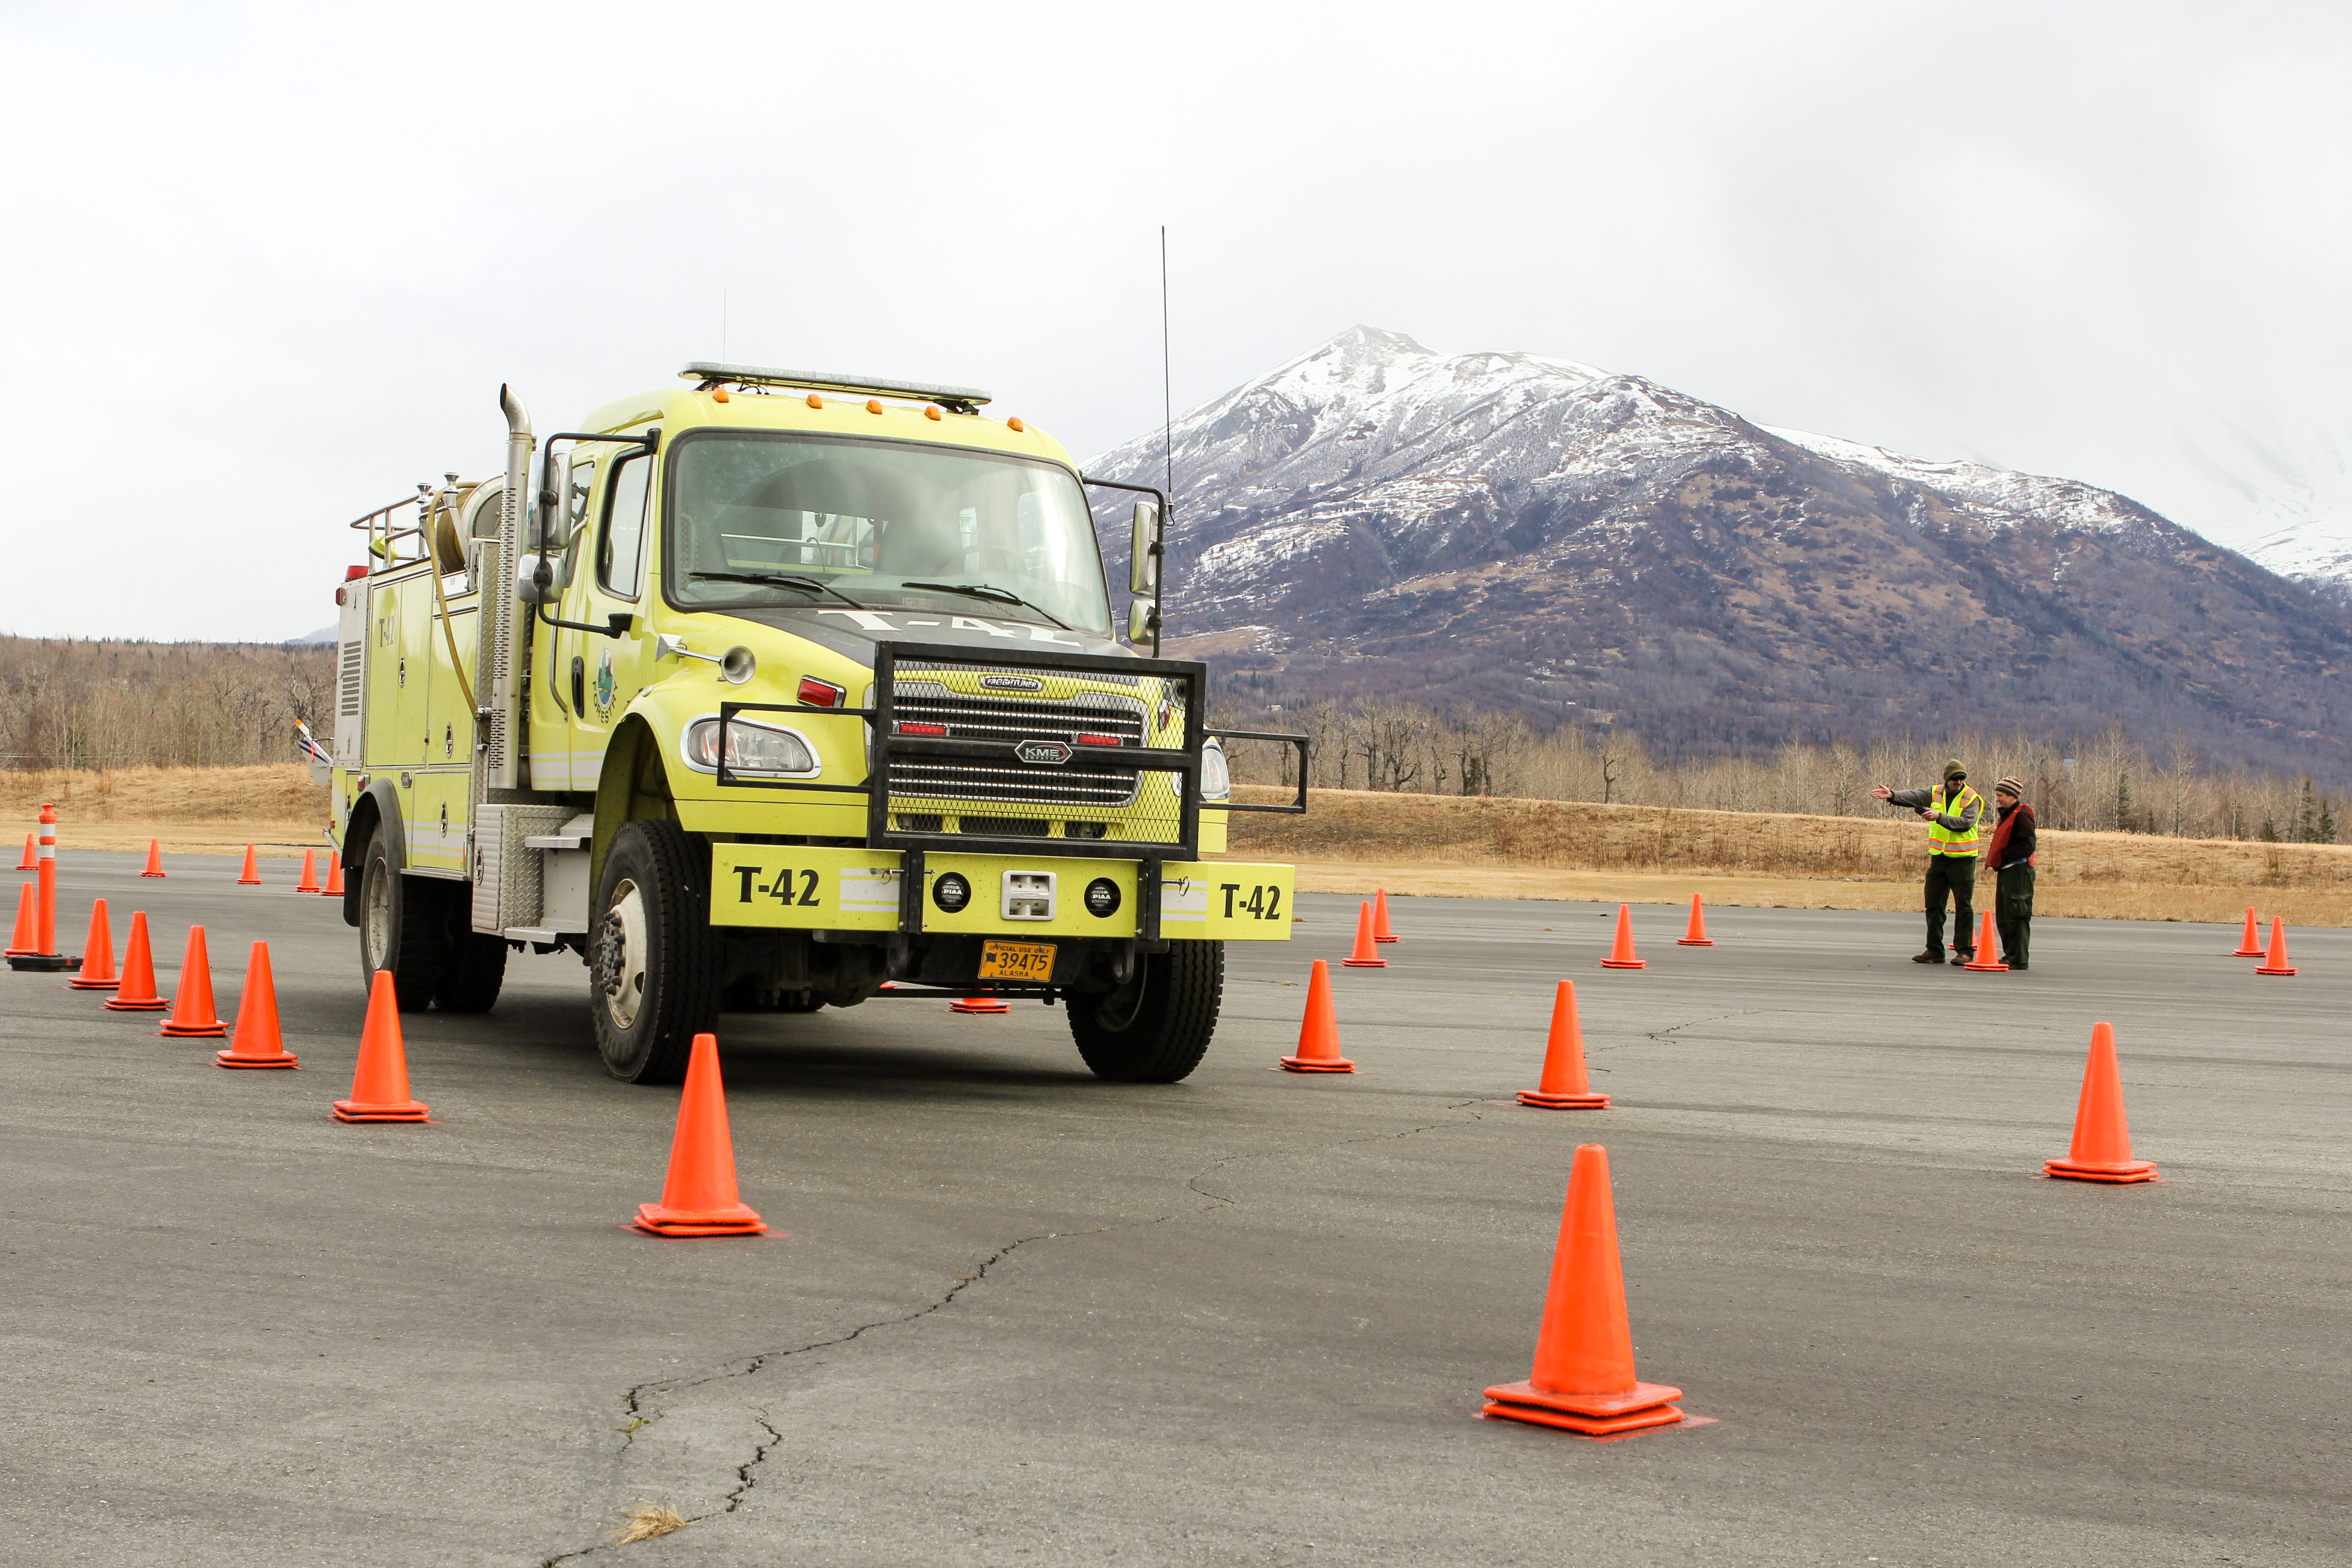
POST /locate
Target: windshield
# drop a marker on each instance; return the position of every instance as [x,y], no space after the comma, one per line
[768,518]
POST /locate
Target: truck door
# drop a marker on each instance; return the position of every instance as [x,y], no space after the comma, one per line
[608,580]
[554,649]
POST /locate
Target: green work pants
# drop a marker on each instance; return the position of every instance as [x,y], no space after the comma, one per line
[1953,875]
[2012,913]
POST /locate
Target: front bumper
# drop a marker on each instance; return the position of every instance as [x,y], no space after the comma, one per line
[808,887]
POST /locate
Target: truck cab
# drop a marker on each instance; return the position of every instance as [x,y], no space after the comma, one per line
[778,691]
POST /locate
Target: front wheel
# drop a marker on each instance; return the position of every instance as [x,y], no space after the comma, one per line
[652,964]
[1156,1028]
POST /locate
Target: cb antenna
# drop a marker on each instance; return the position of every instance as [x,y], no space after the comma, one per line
[1167,437]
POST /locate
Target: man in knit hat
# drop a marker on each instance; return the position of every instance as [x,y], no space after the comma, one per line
[2010,855]
[1951,811]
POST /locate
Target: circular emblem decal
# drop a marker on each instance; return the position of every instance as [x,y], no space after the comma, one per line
[1042,752]
[604,686]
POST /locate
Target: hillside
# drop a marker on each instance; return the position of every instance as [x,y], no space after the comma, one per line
[1374,518]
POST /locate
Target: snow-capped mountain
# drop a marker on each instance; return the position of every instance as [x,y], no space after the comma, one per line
[1508,528]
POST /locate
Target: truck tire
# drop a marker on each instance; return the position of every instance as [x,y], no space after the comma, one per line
[477,965]
[404,927]
[653,965]
[1156,1028]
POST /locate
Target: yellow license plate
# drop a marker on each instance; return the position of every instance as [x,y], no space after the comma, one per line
[1016,961]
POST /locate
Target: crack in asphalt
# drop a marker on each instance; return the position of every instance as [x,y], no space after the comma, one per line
[634,1401]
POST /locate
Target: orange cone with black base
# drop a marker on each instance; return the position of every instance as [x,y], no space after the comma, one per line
[136,994]
[154,859]
[192,1001]
[979,1004]
[97,954]
[43,957]
[1583,1379]
[2276,963]
[1563,1086]
[334,888]
[2251,944]
[30,862]
[310,882]
[1695,934]
[28,928]
[1365,956]
[2102,1146]
[257,1043]
[1620,953]
[1986,960]
[698,1198]
[251,876]
[380,1081]
[1318,1032]
[1380,931]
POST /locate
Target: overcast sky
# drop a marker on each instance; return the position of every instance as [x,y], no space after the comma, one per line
[265,267]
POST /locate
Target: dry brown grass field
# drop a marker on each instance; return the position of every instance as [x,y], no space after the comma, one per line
[1353,840]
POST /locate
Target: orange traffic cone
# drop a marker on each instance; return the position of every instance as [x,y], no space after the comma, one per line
[698,1197]
[2102,1147]
[1380,931]
[310,882]
[251,876]
[192,1002]
[2276,964]
[380,1082]
[979,1004]
[1563,1086]
[1695,934]
[28,929]
[1583,1378]
[1986,960]
[137,992]
[1366,956]
[1318,1033]
[257,1043]
[154,859]
[2251,944]
[97,954]
[30,861]
[334,888]
[1621,955]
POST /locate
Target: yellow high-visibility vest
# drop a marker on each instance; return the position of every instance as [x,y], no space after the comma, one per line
[1942,840]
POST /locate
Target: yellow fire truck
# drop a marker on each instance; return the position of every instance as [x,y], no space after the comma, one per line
[776,690]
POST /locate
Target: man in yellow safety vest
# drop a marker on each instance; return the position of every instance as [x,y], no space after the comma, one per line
[1951,812]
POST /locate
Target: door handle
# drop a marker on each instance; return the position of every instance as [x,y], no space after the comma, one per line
[579,683]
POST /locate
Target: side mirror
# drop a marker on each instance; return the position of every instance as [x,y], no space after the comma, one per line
[1143,553]
[1142,620]
[534,580]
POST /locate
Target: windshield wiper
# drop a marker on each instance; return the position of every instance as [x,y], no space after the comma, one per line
[990,591]
[777,580]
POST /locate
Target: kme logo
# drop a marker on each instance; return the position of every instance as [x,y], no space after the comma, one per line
[1042,752]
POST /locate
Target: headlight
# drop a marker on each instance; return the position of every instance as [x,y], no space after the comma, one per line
[1216,779]
[754,751]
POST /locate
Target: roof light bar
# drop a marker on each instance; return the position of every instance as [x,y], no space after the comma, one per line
[962,399]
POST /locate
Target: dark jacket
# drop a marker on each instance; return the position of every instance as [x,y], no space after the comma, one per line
[1920,799]
[2012,837]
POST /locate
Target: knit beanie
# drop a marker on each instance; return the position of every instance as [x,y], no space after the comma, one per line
[1953,768]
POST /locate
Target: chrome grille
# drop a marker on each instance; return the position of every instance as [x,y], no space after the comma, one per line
[1004,718]
[930,778]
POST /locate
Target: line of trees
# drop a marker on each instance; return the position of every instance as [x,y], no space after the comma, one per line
[73,703]
[2108,781]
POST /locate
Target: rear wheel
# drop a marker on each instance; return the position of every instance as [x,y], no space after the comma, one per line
[652,964]
[1155,1028]
[404,927]
[478,965]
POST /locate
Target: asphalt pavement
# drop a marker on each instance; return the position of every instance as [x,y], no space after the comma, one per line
[1245,1319]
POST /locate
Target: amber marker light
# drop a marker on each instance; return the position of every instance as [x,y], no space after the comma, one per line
[1014,425]
[814,400]
[873,405]
[930,411]
[718,394]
